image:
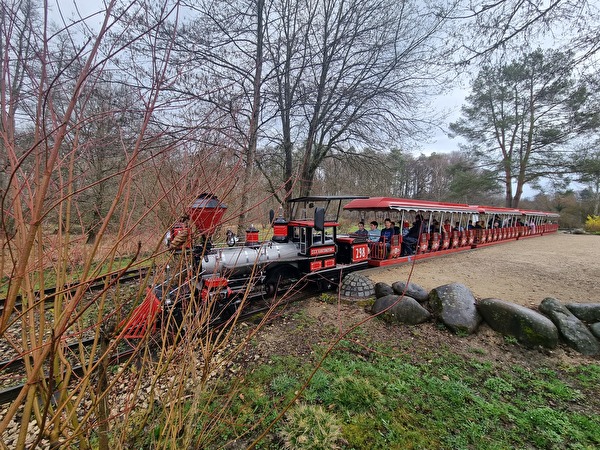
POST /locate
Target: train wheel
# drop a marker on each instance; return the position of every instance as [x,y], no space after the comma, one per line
[280,279]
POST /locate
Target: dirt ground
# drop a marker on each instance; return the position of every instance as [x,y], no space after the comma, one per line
[563,266]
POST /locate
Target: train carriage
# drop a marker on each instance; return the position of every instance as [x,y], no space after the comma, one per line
[539,222]
[471,226]
[499,225]
[434,239]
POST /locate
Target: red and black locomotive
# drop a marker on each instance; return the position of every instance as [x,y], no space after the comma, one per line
[306,250]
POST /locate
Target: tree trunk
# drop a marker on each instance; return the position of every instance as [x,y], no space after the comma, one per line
[508,190]
[597,198]
[253,128]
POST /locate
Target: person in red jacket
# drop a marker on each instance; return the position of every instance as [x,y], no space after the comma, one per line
[447,226]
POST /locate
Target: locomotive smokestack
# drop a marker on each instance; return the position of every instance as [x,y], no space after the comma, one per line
[206,212]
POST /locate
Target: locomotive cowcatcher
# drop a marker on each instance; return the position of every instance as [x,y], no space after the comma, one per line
[218,280]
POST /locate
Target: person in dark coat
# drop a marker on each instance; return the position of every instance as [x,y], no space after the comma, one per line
[412,237]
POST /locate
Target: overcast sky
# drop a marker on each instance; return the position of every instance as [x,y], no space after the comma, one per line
[449,104]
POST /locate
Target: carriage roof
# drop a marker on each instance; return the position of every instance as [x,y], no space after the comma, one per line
[531,212]
[498,210]
[405,204]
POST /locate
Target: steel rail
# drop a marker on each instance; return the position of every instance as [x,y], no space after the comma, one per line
[95,284]
[9,394]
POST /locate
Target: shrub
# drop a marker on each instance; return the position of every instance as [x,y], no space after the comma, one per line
[592,224]
[310,427]
[355,394]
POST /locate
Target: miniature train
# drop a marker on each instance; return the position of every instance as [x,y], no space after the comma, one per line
[309,247]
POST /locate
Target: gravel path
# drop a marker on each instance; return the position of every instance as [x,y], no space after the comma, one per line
[563,266]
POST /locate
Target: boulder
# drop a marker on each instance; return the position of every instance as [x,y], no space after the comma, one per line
[356,285]
[383,289]
[412,290]
[595,329]
[529,327]
[573,330]
[403,310]
[454,306]
[588,312]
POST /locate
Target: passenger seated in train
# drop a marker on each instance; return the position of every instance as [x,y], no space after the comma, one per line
[361,232]
[492,222]
[447,226]
[396,228]
[386,234]
[458,227]
[409,241]
[374,232]
[405,228]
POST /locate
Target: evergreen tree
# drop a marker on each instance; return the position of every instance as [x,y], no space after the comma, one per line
[520,116]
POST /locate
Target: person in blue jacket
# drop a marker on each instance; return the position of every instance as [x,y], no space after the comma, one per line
[374,232]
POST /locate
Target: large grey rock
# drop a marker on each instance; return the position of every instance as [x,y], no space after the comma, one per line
[454,306]
[573,330]
[412,290]
[595,329]
[404,310]
[588,312]
[383,289]
[527,326]
[357,286]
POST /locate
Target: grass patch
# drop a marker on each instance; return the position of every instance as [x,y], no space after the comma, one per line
[395,400]
[310,427]
[446,402]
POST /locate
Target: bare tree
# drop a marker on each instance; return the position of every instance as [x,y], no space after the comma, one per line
[348,75]
[484,28]
[17,44]
[250,153]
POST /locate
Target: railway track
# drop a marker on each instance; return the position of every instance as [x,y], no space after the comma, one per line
[97,284]
[11,367]
[260,305]
[9,394]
